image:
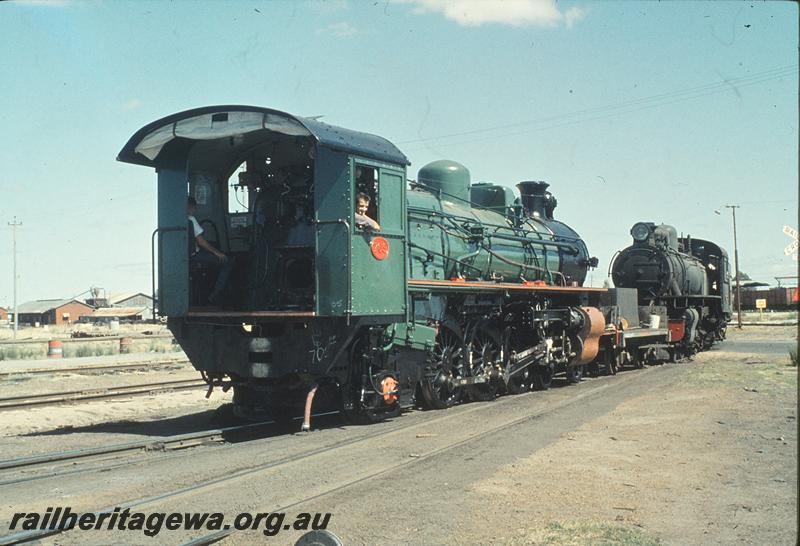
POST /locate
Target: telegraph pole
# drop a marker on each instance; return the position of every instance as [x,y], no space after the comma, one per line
[736,265]
[14,226]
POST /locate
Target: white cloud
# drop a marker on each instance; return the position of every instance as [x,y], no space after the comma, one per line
[342,29]
[572,15]
[132,104]
[517,13]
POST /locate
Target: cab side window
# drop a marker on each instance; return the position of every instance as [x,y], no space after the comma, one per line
[383,189]
[366,179]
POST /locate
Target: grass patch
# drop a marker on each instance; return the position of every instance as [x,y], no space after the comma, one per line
[763,373]
[586,533]
[22,353]
[157,347]
[163,346]
[793,357]
[82,350]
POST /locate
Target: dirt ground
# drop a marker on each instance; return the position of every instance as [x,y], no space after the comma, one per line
[710,459]
[703,452]
[27,431]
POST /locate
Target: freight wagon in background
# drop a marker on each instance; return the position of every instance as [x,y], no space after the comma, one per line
[779,298]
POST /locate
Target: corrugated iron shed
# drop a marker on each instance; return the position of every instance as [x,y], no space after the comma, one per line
[121,297]
[43,306]
[121,312]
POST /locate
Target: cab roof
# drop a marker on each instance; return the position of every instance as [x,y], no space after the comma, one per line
[213,122]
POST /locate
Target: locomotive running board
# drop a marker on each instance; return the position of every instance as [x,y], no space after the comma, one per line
[483,285]
[637,333]
[250,314]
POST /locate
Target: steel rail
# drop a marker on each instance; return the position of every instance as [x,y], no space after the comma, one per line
[179,441]
[16,402]
[216,536]
[168,447]
[28,536]
[134,337]
[100,367]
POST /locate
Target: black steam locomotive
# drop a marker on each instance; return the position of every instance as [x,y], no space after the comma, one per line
[689,278]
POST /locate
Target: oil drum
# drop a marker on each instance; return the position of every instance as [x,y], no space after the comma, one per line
[54,349]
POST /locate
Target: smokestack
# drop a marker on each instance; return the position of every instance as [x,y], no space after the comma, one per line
[536,200]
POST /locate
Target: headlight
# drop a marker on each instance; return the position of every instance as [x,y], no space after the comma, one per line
[640,232]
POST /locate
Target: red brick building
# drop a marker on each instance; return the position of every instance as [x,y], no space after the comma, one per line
[3,313]
[53,312]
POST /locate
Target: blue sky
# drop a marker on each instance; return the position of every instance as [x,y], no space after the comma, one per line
[630,110]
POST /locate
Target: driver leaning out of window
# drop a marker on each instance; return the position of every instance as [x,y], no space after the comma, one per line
[362,220]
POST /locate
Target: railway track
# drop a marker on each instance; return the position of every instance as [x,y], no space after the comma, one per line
[138,365]
[390,469]
[174,443]
[180,441]
[169,444]
[69,397]
[443,420]
[80,339]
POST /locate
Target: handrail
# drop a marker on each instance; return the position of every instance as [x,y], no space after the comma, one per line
[348,311]
[160,232]
[444,257]
[549,272]
[543,242]
[442,213]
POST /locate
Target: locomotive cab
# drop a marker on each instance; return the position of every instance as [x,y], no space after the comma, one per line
[259,212]
[277,194]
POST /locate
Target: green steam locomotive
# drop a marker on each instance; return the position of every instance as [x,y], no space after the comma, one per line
[351,287]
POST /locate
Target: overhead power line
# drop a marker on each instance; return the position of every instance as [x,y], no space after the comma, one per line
[601,112]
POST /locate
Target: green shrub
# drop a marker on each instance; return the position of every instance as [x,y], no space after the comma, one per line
[82,351]
[160,346]
[9,353]
[22,353]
